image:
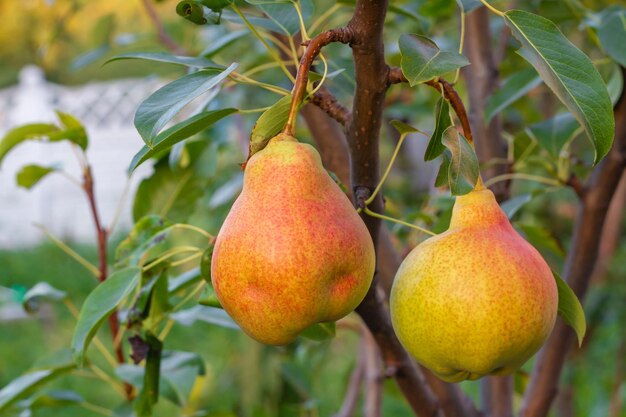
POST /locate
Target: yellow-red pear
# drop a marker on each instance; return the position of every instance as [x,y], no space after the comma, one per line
[476,300]
[292,252]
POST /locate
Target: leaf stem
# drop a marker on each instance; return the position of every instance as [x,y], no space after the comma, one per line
[242,79]
[389,165]
[493,9]
[169,253]
[195,229]
[391,219]
[461,44]
[96,409]
[70,252]
[96,341]
[522,176]
[270,50]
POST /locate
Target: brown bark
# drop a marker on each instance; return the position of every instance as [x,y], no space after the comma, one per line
[371,74]
[579,266]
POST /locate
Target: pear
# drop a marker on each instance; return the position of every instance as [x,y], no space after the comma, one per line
[476,300]
[292,252]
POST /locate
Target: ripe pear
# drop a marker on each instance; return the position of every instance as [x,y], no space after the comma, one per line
[292,252]
[475,300]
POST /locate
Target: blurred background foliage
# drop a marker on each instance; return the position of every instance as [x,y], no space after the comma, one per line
[197,182]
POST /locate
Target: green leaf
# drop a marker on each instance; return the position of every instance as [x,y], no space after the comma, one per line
[158,109]
[188,61]
[553,134]
[74,130]
[149,394]
[148,232]
[422,60]
[320,331]
[41,292]
[100,303]
[285,15]
[27,383]
[177,375]
[205,264]
[184,280]
[271,122]
[197,12]
[212,315]
[615,84]
[167,193]
[209,297]
[55,398]
[177,133]
[512,205]
[612,34]
[569,73]
[463,169]
[513,88]
[442,122]
[14,137]
[542,239]
[570,309]
[30,175]
[442,175]
[402,127]
[217,45]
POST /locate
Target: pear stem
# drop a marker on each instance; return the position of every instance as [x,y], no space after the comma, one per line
[313,49]
[391,219]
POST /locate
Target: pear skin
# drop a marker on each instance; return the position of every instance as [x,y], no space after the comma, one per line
[292,252]
[476,300]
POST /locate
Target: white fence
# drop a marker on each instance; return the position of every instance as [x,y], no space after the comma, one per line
[106,109]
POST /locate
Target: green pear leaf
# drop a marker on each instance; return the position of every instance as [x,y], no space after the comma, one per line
[30,175]
[177,133]
[99,304]
[569,73]
[612,34]
[269,124]
[553,134]
[463,168]
[42,291]
[188,61]
[160,107]
[320,331]
[24,385]
[570,309]
[422,60]
[442,122]
[513,88]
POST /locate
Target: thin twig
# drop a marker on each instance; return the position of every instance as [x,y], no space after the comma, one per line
[396,76]
[102,236]
[162,34]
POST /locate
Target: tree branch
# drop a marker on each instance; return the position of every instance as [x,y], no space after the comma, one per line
[162,34]
[371,74]
[396,76]
[329,104]
[579,266]
[101,233]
